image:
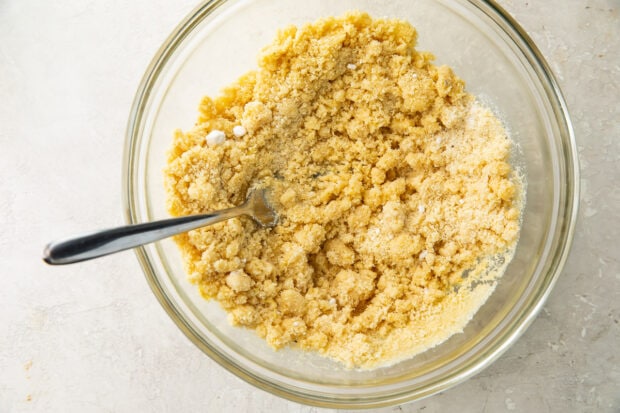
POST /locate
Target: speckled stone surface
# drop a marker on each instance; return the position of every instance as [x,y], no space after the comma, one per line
[92,338]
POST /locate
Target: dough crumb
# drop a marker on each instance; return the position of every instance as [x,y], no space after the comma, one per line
[238,281]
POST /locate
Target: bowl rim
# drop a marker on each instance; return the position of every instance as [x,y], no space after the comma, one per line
[467,369]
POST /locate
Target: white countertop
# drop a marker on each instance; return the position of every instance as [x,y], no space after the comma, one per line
[92,337]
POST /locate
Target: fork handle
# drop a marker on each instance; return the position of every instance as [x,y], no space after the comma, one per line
[108,241]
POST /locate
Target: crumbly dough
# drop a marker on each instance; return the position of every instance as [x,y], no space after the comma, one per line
[392,184]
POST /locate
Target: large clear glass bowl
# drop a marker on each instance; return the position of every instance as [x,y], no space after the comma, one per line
[218,42]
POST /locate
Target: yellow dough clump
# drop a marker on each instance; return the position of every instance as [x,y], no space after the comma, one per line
[392,183]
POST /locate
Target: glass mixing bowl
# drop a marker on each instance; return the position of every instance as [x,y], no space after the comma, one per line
[218,42]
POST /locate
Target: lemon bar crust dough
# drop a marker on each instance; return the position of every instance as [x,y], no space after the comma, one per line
[390,181]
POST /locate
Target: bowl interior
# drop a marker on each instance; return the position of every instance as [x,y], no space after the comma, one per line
[218,43]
